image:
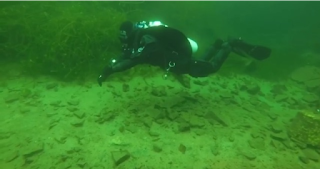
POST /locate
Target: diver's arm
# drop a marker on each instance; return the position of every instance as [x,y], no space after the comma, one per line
[119,64]
[130,58]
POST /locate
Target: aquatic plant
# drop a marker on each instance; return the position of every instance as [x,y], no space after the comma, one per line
[68,40]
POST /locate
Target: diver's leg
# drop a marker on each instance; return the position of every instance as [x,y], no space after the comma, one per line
[216,56]
[212,51]
[201,68]
[218,59]
[239,47]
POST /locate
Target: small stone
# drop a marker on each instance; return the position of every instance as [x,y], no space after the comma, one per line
[256,134]
[97,166]
[226,95]
[279,136]
[73,150]
[77,123]
[231,138]
[159,91]
[305,74]
[214,136]
[51,86]
[72,109]
[11,156]
[53,122]
[278,88]
[104,115]
[147,121]
[249,155]
[51,113]
[81,163]
[253,89]
[310,98]
[199,132]
[278,145]
[120,157]
[33,150]
[312,84]
[56,103]
[28,160]
[25,93]
[304,159]
[288,144]
[201,82]
[281,98]
[157,148]
[182,148]
[125,87]
[311,154]
[273,116]
[275,127]
[154,129]
[79,114]
[173,115]
[119,141]
[154,133]
[132,128]
[5,135]
[219,117]
[11,98]
[121,129]
[214,150]
[24,110]
[300,144]
[73,102]
[60,139]
[257,143]
[196,122]
[184,126]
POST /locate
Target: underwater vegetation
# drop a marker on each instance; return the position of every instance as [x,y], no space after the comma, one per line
[67,40]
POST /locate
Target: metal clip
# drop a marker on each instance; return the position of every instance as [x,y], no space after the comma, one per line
[171,65]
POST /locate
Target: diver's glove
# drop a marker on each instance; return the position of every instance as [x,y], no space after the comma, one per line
[106,72]
[101,79]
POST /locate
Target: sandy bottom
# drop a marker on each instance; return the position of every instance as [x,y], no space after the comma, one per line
[146,123]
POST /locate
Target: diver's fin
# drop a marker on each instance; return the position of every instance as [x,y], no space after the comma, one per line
[259,52]
[256,51]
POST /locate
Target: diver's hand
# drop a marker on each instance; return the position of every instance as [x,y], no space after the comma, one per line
[105,73]
[100,79]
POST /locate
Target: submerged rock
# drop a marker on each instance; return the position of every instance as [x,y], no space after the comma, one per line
[120,157]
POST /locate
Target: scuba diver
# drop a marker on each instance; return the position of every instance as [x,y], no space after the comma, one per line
[157,44]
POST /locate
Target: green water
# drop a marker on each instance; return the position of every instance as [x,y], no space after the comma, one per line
[237,119]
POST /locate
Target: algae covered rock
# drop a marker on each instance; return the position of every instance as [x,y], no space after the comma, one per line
[305,128]
[308,75]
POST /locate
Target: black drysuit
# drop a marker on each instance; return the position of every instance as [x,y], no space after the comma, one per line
[170,49]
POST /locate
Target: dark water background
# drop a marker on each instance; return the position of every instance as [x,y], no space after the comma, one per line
[291,29]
